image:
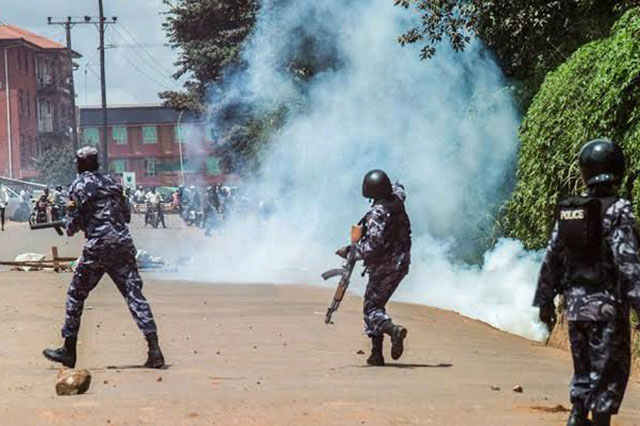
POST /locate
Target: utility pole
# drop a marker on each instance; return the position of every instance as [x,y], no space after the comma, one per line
[68,24]
[101,23]
[103,89]
[74,119]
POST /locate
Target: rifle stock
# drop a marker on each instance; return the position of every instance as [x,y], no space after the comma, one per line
[57,225]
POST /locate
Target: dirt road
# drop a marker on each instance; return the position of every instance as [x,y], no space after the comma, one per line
[261,355]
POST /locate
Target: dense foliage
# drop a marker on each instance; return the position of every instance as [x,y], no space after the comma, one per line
[57,165]
[209,34]
[528,37]
[596,93]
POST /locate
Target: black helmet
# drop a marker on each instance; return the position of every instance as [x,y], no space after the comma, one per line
[601,161]
[87,159]
[376,185]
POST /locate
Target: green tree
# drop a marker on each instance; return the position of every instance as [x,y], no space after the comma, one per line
[596,93]
[528,37]
[57,165]
[209,35]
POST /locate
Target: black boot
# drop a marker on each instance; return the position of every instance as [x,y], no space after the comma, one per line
[155,358]
[578,417]
[65,355]
[398,333]
[600,419]
[376,357]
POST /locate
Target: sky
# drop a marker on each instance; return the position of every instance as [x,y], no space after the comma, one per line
[138,62]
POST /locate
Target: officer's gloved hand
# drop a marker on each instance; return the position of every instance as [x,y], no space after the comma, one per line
[548,316]
[343,252]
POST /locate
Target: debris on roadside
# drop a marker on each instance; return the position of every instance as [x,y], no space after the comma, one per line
[28,262]
[148,262]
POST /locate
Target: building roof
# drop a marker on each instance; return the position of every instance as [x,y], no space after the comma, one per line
[11,32]
[135,115]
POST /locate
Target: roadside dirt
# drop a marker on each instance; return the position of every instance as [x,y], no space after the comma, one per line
[261,355]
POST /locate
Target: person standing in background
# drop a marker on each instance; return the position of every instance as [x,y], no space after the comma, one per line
[4,200]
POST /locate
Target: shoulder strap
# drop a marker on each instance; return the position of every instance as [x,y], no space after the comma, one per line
[606,203]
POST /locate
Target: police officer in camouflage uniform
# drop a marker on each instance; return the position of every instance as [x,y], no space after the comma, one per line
[592,260]
[211,209]
[100,210]
[386,250]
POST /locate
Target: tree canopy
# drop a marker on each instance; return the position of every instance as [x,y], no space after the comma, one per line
[528,37]
[209,35]
[596,93]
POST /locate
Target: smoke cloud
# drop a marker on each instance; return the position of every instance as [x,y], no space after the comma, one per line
[445,128]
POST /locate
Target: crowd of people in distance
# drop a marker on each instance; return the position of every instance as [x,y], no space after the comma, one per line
[200,207]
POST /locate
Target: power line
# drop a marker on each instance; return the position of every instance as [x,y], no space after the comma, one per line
[100,22]
[137,68]
[149,64]
[153,58]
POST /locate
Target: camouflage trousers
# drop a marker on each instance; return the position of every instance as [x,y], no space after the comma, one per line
[118,261]
[601,361]
[383,282]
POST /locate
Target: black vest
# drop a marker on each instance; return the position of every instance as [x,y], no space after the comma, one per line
[397,233]
[580,231]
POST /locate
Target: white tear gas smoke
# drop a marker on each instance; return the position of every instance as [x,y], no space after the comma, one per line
[445,128]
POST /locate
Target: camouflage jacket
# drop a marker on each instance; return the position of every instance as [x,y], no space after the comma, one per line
[621,286]
[387,234]
[100,211]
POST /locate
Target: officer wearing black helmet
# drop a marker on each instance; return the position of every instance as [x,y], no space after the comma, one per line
[101,212]
[385,248]
[592,259]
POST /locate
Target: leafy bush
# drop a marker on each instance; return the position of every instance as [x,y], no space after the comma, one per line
[595,93]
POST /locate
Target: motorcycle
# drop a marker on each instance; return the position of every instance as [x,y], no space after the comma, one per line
[39,212]
[192,217]
[153,215]
[58,212]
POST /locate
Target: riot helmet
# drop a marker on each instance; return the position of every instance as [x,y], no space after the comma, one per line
[87,159]
[601,162]
[376,185]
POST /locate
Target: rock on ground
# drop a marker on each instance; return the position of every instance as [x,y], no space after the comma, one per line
[73,382]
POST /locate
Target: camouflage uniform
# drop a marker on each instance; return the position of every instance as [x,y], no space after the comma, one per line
[599,328]
[101,212]
[211,210]
[386,251]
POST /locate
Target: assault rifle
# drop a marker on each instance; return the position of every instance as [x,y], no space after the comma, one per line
[344,273]
[57,225]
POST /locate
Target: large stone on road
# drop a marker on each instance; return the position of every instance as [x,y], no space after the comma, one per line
[73,382]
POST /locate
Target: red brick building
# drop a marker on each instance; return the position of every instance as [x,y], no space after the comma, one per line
[160,145]
[35,99]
